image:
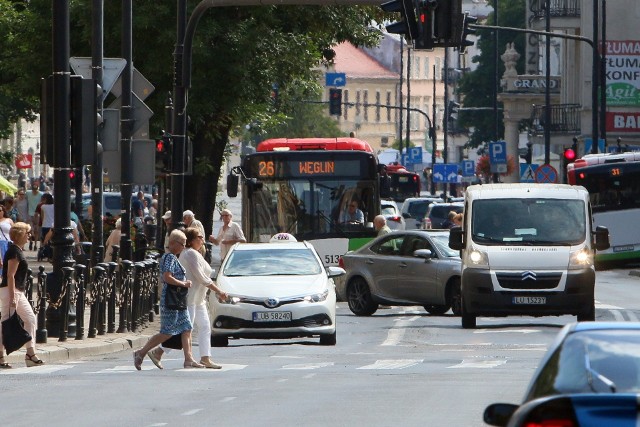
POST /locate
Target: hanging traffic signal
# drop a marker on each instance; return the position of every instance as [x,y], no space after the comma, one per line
[163,154]
[426,13]
[84,120]
[466,31]
[335,102]
[452,111]
[408,26]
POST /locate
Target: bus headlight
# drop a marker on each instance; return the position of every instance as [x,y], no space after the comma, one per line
[478,258]
[581,258]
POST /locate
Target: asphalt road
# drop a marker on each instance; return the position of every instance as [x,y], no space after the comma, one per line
[398,367]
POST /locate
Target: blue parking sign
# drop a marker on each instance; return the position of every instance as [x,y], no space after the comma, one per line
[468,168]
[497,152]
[415,153]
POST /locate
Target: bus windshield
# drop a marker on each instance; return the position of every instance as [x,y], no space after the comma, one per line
[611,186]
[528,221]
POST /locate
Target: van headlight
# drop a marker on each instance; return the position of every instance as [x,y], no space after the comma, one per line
[581,258]
[477,258]
[317,297]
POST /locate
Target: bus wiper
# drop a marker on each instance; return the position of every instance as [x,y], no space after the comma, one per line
[488,239]
[331,223]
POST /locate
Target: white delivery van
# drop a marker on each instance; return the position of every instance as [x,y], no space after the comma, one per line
[527,249]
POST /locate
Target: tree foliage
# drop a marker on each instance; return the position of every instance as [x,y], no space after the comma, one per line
[238,53]
[476,87]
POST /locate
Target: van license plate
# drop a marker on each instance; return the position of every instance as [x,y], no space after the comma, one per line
[529,300]
[272,316]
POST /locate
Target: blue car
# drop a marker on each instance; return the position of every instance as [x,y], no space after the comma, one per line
[588,378]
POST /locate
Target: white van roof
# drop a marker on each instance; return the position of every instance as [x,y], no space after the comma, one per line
[526,190]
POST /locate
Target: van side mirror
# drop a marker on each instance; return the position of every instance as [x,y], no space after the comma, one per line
[232,185]
[602,238]
[456,240]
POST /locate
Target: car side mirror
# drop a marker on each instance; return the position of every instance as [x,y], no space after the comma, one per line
[405,215]
[423,253]
[335,271]
[456,238]
[602,238]
[498,414]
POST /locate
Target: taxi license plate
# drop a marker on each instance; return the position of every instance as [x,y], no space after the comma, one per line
[529,300]
[272,316]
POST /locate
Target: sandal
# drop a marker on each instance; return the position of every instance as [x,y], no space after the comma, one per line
[137,360]
[192,364]
[209,364]
[3,364]
[155,359]
[32,360]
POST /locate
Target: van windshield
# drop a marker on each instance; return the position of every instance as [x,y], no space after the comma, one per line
[528,221]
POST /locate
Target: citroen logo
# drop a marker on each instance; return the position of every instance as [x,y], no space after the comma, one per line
[529,275]
[271,302]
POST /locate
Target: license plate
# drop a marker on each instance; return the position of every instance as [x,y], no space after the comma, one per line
[529,300]
[272,316]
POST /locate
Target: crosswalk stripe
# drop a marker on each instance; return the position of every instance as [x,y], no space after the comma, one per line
[303,366]
[478,364]
[392,364]
[36,370]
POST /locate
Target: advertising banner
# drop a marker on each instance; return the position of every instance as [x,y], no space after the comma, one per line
[623,72]
[623,122]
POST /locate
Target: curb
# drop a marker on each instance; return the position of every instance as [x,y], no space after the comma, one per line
[634,273]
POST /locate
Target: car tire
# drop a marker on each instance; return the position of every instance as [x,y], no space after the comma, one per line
[329,339]
[454,297]
[359,298]
[436,310]
[219,341]
[588,316]
[468,319]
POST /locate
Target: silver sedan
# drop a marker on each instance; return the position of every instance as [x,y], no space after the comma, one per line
[403,268]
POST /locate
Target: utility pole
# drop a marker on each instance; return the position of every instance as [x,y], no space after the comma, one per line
[126,126]
[408,137]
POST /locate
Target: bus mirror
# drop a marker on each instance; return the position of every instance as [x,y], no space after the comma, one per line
[456,238]
[385,186]
[602,238]
[232,185]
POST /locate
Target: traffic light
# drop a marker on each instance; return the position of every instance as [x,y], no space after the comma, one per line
[335,102]
[452,111]
[408,26]
[569,156]
[84,120]
[72,178]
[163,154]
[426,14]
[466,31]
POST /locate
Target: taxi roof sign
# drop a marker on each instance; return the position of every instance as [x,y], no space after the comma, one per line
[282,238]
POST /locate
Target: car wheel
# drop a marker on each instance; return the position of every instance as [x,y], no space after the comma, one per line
[359,298]
[455,297]
[328,339]
[436,309]
[588,316]
[219,340]
[468,319]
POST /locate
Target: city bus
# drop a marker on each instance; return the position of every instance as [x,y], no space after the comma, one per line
[303,186]
[613,183]
[403,184]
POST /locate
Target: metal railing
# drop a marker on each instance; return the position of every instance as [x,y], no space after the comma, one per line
[565,118]
[557,8]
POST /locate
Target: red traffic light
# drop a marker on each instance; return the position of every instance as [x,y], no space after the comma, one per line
[72,174]
[569,154]
[159,145]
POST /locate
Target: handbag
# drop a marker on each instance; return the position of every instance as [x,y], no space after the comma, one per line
[175,298]
[14,336]
[175,342]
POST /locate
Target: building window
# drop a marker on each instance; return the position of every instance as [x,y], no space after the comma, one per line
[378,106]
[414,117]
[426,67]
[389,103]
[416,67]
[365,101]
[438,70]
[357,103]
[345,107]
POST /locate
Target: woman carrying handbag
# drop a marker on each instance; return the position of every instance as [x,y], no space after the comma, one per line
[12,291]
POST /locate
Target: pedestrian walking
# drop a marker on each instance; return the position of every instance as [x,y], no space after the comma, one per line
[174,316]
[199,272]
[190,220]
[33,199]
[380,224]
[113,239]
[22,206]
[12,292]
[229,234]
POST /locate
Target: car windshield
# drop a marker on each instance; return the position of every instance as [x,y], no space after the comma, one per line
[591,362]
[529,221]
[418,208]
[272,262]
[442,242]
[388,210]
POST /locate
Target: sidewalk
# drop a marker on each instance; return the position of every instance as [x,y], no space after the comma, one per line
[54,351]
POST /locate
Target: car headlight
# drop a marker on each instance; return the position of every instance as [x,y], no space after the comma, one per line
[477,258]
[581,258]
[317,297]
[230,300]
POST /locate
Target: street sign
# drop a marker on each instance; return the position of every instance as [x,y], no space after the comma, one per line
[498,152]
[141,112]
[546,174]
[406,161]
[110,133]
[143,153]
[468,168]
[139,85]
[335,79]
[588,143]
[527,172]
[445,172]
[111,69]
[415,154]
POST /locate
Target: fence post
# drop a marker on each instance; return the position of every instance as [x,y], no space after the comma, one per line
[41,333]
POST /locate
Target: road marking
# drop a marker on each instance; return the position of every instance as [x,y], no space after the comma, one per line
[309,376]
[498,331]
[120,369]
[392,364]
[632,316]
[617,315]
[478,364]
[303,366]
[228,399]
[192,412]
[395,334]
[606,306]
[36,370]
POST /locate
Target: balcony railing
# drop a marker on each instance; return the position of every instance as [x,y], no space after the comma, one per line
[565,118]
[558,8]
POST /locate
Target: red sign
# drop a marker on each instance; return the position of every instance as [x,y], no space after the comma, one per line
[24,161]
[623,122]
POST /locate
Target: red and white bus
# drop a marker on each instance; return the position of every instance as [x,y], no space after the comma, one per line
[613,183]
[300,186]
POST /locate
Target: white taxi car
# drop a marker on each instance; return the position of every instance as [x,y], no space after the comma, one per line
[278,289]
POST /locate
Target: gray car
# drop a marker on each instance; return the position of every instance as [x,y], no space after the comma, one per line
[412,267]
